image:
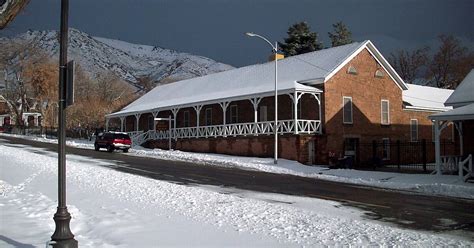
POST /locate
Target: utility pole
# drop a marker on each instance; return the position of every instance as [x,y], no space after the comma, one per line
[62,236]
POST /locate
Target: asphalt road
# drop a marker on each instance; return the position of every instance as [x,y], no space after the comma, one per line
[404,209]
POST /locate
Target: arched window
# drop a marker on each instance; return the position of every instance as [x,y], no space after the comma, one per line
[379,73]
[352,70]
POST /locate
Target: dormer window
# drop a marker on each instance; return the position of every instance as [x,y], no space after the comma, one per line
[352,70]
[379,74]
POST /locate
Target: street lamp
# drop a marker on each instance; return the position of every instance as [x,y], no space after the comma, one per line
[275,129]
[62,236]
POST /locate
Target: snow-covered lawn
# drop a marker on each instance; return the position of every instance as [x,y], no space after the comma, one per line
[115,209]
[445,185]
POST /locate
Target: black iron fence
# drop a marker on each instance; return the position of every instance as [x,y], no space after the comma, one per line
[401,155]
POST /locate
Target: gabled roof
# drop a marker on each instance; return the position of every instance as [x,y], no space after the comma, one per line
[294,73]
[464,93]
[425,98]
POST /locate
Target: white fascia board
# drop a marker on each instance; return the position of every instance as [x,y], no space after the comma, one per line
[425,109]
[349,58]
[378,57]
[387,67]
[314,81]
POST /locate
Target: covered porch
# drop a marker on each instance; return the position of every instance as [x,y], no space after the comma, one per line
[299,112]
[463,120]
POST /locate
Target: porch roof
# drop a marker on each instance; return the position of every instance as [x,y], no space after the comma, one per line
[426,98]
[249,81]
[457,114]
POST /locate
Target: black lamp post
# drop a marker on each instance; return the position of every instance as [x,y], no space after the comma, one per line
[62,236]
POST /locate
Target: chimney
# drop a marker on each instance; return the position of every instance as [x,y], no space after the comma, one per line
[278,57]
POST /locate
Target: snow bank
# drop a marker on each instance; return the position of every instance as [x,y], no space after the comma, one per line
[446,185]
[115,209]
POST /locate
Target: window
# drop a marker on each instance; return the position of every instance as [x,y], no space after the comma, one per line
[414,129]
[386,149]
[234,114]
[151,122]
[263,113]
[385,113]
[186,118]
[347,109]
[352,70]
[379,74]
[208,117]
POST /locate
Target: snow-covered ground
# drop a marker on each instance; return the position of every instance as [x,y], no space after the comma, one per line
[115,209]
[445,185]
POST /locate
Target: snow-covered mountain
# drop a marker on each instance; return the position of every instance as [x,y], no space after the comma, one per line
[126,60]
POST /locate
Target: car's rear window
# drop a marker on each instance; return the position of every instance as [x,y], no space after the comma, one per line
[121,136]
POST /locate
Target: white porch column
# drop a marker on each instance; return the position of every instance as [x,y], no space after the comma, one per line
[107,124]
[438,129]
[175,114]
[255,101]
[137,118]
[198,111]
[317,96]
[224,106]
[437,148]
[296,98]
[155,114]
[122,119]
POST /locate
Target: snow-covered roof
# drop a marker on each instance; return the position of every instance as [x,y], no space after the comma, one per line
[464,93]
[426,98]
[294,73]
[462,113]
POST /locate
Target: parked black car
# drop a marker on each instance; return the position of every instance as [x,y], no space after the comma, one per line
[113,141]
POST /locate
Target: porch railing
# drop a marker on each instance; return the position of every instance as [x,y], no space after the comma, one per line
[468,168]
[245,129]
[233,130]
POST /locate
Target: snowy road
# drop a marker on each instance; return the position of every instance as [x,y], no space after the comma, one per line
[114,209]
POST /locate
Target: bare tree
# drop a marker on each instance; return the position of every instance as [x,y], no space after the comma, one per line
[450,64]
[409,64]
[9,9]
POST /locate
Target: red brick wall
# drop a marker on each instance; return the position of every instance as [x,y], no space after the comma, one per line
[293,147]
[367,91]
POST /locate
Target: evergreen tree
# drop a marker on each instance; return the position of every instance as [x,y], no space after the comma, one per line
[341,35]
[300,40]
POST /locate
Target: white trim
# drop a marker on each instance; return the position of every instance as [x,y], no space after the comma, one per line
[411,130]
[349,58]
[343,111]
[424,109]
[388,112]
[378,57]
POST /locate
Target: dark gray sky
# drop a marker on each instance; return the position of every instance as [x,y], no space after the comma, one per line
[215,28]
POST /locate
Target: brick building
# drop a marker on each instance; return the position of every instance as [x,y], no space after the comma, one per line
[329,101]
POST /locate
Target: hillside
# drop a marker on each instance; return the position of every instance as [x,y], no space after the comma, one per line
[128,61]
